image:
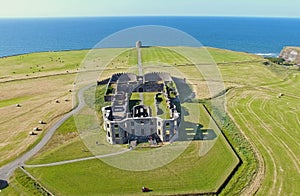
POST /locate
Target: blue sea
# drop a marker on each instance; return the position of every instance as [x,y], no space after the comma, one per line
[266,36]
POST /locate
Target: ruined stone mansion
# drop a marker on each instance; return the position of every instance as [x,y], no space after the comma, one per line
[142,108]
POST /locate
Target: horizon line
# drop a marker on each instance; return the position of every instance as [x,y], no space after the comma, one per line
[119,16]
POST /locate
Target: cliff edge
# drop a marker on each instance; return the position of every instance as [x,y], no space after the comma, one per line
[291,54]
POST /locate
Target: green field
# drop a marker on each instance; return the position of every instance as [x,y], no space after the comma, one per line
[188,174]
[36,63]
[269,122]
[36,81]
[274,129]
[219,161]
[64,140]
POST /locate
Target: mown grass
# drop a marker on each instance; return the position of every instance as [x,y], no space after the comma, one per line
[126,59]
[187,174]
[168,60]
[242,147]
[227,56]
[249,73]
[13,101]
[272,124]
[162,55]
[64,145]
[257,110]
[149,100]
[122,60]
[41,62]
[165,110]
[135,96]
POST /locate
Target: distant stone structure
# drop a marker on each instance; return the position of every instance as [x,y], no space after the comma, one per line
[128,118]
[138,44]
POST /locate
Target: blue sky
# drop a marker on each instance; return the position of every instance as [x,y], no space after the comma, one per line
[72,8]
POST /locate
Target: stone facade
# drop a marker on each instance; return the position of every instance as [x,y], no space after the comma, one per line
[124,122]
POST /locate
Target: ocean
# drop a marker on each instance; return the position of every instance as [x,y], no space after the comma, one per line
[265,36]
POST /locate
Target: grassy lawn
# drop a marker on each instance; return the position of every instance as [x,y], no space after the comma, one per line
[162,55]
[124,62]
[187,174]
[164,108]
[135,96]
[168,60]
[128,58]
[65,139]
[149,100]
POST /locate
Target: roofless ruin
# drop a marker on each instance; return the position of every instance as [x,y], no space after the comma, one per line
[142,107]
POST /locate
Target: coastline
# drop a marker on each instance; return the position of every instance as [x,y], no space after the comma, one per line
[271,54]
[247,34]
[36,52]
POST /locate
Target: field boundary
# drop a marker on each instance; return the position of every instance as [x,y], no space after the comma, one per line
[226,181]
[36,183]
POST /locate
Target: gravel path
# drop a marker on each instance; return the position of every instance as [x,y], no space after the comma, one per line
[140,67]
[78,160]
